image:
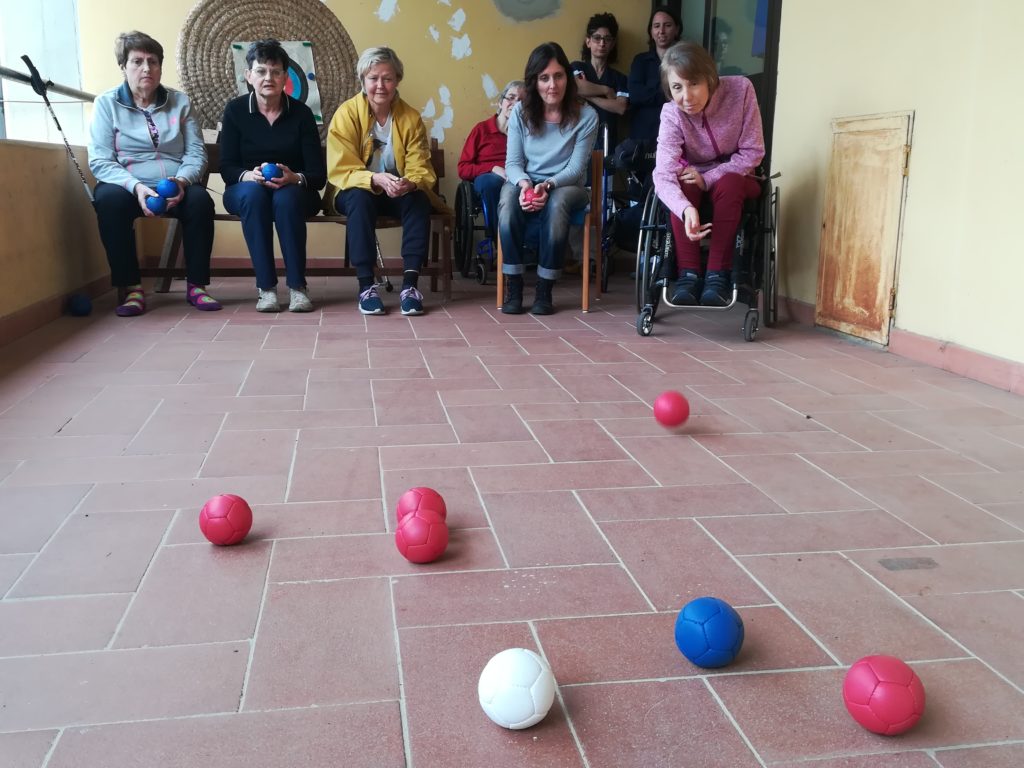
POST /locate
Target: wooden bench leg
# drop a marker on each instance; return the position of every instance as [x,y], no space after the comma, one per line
[169,254]
[585,267]
[500,279]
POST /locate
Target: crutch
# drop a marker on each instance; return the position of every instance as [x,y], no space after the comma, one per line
[39,86]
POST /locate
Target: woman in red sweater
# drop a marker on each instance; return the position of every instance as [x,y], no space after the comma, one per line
[483,155]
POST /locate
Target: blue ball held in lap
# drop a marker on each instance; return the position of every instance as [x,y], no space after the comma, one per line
[271,171]
[167,188]
[156,204]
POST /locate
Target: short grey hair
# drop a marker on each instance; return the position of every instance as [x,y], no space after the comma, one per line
[371,57]
[519,85]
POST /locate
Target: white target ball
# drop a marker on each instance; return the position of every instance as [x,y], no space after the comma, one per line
[516,688]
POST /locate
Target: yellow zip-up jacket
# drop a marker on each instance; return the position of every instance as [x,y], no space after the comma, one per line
[350,147]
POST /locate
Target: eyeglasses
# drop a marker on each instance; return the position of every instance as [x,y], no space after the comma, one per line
[513,97]
[262,72]
[602,38]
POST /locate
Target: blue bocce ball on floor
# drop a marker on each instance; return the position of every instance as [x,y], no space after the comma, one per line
[271,171]
[709,632]
[79,305]
[167,188]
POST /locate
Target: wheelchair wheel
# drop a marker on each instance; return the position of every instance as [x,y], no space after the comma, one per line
[481,273]
[750,325]
[645,322]
[649,251]
[464,214]
[770,229]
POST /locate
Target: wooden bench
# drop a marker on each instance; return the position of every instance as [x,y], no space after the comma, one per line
[438,263]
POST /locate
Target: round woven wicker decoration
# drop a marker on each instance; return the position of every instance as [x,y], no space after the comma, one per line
[206,70]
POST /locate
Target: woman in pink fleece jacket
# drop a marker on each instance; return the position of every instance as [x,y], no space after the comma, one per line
[709,142]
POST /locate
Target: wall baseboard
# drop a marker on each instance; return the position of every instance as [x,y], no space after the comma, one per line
[963,361]
[35,316]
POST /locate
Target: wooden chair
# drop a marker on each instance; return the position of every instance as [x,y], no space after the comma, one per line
[438,264]
[588,219]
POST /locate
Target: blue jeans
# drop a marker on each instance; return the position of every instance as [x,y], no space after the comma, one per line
[553,220]
[260,208]
[362,208]
[488,187]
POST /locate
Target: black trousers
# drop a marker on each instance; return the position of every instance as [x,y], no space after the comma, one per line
[117,209]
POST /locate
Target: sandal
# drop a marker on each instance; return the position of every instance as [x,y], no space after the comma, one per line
[200,299]
[134,304]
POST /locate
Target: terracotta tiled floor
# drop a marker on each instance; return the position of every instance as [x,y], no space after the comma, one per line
[847,501]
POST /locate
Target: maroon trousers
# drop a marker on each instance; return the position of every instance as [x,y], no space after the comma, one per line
[727,198]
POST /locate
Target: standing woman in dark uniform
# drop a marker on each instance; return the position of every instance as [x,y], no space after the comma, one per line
[605,88]
[265,127]
[646,96]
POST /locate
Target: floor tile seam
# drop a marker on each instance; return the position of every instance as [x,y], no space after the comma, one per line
[131,649]
[935,626]
[244,689]
[71,513]
[142,582]
[843,482]
[152,414]
[975,745]
[403,711]
[561,700]
[202,716]
[760,585]
[621,563]
[632,458]
[53,748]
[976,505]
[732,720]
[487,516]
[709,676]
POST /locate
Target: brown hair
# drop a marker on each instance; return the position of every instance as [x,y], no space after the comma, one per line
[690,62]
[127,42]
[532,103]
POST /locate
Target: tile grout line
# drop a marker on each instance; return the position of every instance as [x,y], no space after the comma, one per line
[913,609]
[782,606]
[403,707]
[561,699]
[53,747]
[255,632]
[621,562]
[729,716]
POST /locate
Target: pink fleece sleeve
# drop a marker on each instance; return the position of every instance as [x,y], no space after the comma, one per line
[667,161]
[750,149]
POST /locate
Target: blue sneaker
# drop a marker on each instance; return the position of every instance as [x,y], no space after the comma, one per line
[412,302]
[370,303]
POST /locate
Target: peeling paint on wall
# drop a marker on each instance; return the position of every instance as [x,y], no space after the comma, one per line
[457,20]
[489,87]
[461,47]
[434,33]
[447,117]
[387,10]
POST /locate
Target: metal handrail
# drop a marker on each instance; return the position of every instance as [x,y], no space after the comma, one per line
[13,74]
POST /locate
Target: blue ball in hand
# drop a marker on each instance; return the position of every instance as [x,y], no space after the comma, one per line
[270,172]
[79,305]
[167,188]
[156,204]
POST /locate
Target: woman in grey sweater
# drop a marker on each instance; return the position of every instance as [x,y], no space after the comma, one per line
[550,136]
[144,140]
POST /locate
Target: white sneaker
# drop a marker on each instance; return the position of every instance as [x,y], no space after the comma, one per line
[299,301]
[267,301]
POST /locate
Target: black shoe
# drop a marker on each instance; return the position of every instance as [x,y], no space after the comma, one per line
[687,288]
[513,304]
[542,302]
[717,289]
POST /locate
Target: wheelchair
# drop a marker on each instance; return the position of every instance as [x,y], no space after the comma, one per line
[754,266]
[481,257]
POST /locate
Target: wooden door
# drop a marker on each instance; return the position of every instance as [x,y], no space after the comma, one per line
[860,232]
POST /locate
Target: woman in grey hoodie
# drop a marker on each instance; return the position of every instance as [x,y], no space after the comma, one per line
[146,152]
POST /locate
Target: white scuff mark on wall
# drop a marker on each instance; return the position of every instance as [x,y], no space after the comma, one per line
[461,47]
[445,2]
[447,117]
[489,87]
[457,20]
[434,33]
[429,110]
[387,10]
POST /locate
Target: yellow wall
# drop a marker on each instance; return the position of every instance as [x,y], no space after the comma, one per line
[499,48]
[51,246]
[961,261]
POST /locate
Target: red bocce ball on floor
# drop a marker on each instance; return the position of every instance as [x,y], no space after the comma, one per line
[225,519]
[671,409]
[883,694]
[420,498]
[422,536]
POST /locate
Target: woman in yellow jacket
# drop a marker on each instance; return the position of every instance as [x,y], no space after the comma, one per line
[378,164]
